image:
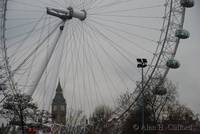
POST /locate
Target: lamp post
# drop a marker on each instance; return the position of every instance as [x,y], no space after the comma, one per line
[142,63]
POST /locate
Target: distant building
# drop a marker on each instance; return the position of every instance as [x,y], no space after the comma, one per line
[59,107]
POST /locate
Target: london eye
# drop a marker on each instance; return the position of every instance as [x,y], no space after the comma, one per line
[89,46]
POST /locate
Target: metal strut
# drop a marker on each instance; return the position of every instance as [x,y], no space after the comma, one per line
[68,14]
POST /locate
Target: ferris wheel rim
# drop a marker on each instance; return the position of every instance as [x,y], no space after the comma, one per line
[9,71]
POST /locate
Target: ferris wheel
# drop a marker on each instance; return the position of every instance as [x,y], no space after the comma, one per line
[89,46]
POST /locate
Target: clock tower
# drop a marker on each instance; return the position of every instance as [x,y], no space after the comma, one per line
[59,107]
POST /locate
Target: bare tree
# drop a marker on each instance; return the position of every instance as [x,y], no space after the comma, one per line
[156,96]
[18,109]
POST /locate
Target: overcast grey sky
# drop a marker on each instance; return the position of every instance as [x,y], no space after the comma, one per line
[99,58]
[188,75]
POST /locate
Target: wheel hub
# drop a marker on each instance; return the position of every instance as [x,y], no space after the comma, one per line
[68,14]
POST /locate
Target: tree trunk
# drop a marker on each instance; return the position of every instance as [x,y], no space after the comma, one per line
[22,121]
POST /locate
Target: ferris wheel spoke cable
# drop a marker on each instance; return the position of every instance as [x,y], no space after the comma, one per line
[95,2]
[116,64]
[72,72]
[65,3]
[115,45]
[89,61]
[52,91]
[129,24]
[79,62]
[24,24]
[28,35]
[111,58]
[127,10]
[87,5]
[89,103]
[66,53]
[23,43]
[59,57]
[67,66]
[15,70]
[105,73]
[21,65]
[87,76]
[21,19]
[58,3]
[133,34]
[47,3]
[75,69]
[121,36]
[109,4]
[76,73]
[85,63]
[107,53]
[45,64]
[29,72]
[95,76]
[80,5]
[25,3]
[90,3]
[55,55]
[39,1]
[25,33]
[35,49]
[71,2]
[127,16]
[23,10]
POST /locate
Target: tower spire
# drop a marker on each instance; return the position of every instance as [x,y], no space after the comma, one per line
[59,88]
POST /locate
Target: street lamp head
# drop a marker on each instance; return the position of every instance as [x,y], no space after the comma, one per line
[144,60]
[139,60]
[139,65]
[142,63]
